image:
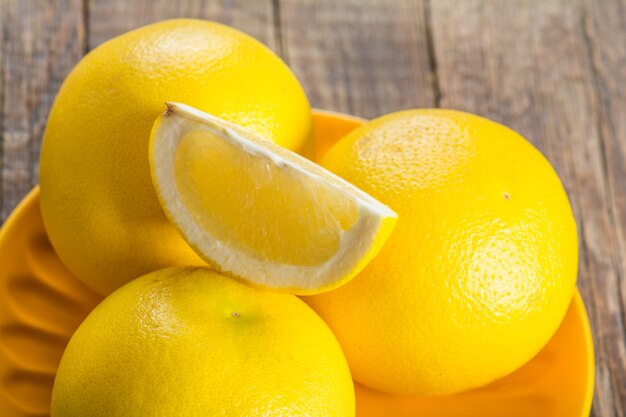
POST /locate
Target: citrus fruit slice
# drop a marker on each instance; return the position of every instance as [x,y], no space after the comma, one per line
[258,211]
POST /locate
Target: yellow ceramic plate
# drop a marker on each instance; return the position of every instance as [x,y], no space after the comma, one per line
[41,304]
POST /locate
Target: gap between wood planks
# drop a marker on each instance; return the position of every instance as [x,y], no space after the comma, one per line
[281,46]
[86,17]
[432,56]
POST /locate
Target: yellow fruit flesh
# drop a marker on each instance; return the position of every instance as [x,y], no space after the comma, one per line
[244,201]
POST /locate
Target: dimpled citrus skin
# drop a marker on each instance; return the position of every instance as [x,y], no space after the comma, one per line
[97,198]
[482,264]
[192,343]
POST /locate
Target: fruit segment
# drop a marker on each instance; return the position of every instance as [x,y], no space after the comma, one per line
[258,211]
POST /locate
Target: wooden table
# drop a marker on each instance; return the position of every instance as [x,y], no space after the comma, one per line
[554,70]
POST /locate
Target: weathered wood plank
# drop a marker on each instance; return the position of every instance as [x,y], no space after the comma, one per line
[605,28]
[3,12]
[42,42]
[364,57]
[526,64]
[108,18]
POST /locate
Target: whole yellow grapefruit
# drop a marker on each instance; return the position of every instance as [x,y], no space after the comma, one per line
[97,199]
[482,264]
[192,343]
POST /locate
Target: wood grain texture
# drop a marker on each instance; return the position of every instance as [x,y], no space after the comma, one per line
[108,18]
[42,40]
[604,26]
[364,57]
[529,68]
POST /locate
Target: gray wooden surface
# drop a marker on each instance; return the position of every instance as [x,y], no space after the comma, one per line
[555,70]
